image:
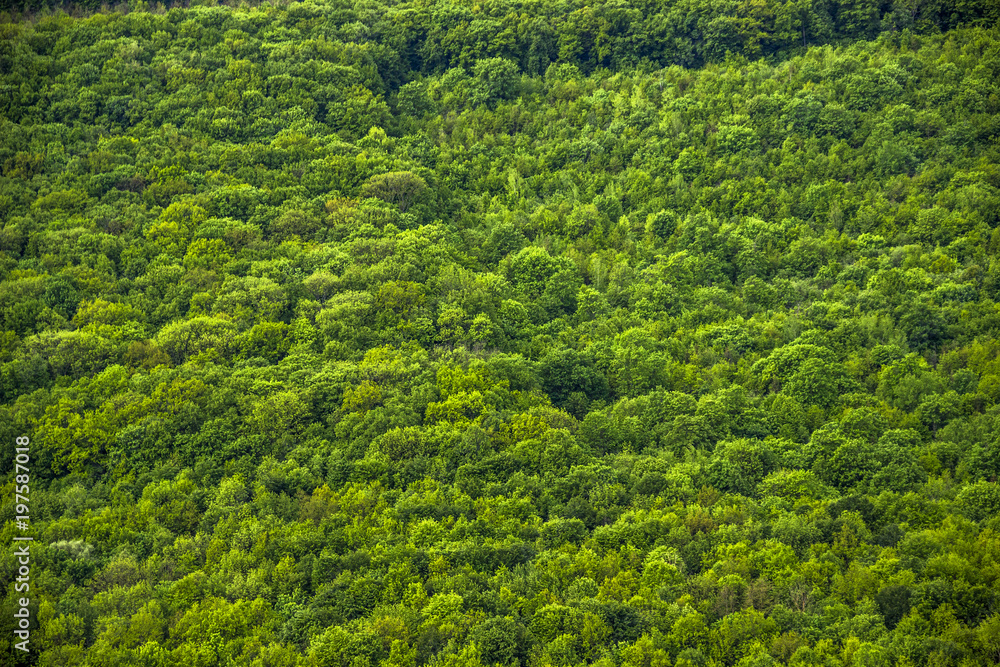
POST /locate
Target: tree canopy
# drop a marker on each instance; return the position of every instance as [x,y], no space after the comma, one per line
[504,333]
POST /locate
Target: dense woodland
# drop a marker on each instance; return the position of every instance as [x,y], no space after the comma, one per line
[630,334]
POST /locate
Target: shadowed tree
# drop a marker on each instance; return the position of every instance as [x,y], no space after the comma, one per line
[399,188]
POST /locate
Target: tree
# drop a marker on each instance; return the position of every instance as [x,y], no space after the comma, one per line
[531,269]
[504,239]
[738,466]
[399,188]
[502,641]
[893,603]
[355,111]
[412,99]
[566,371]
[980,500]
[662,224]
[496,80]
[186,338]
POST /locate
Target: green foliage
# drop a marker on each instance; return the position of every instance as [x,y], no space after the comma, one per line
[502,641]
[496,80]
[491,334]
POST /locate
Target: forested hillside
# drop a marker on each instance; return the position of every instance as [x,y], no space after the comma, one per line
[625,334]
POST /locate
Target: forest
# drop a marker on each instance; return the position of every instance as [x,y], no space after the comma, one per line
[524,334]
